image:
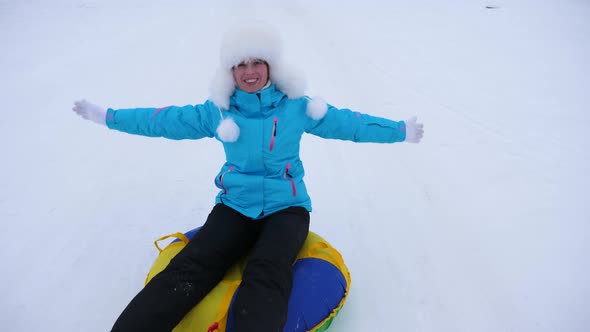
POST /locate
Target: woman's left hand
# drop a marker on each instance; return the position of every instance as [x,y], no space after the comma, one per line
[414,130]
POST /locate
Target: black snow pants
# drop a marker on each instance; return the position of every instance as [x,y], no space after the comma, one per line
[261,302]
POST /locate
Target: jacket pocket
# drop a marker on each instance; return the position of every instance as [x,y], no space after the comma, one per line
[289,178]
[222,176]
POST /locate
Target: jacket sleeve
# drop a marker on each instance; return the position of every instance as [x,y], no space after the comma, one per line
[345,124]
[173,122]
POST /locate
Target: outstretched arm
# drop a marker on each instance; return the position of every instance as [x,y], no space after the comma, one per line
[347,125]
[174,122]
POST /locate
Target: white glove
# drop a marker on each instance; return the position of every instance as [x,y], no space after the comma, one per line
[414,131]
[90,112]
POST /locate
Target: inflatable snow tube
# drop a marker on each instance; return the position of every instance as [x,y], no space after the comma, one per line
[321,283]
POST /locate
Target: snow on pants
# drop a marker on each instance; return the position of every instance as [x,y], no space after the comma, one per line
[262,298]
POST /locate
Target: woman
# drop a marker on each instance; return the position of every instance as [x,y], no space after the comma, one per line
[258,111]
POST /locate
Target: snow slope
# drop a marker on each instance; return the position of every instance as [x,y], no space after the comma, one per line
[481,227]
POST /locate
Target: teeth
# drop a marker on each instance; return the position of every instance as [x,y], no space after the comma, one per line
[252,80]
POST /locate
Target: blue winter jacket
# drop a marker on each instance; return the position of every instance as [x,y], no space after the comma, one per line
[262,173]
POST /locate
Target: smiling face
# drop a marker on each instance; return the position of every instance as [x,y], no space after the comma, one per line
[251,75]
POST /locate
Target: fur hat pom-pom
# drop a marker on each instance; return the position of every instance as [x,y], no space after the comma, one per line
[316,108]
[228,131]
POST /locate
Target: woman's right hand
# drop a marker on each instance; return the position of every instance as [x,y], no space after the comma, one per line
[91,112]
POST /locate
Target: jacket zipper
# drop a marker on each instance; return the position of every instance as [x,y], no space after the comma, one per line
[288,177]
[274,133]
[221,179]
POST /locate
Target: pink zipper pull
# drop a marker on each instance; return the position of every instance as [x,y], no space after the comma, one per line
[221,179]
[289,178]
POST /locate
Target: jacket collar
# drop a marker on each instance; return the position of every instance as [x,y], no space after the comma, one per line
[257,103]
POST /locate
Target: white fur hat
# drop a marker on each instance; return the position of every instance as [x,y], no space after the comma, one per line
[248,40]
[255,40]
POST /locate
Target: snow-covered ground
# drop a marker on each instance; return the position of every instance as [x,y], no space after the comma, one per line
[484,226]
